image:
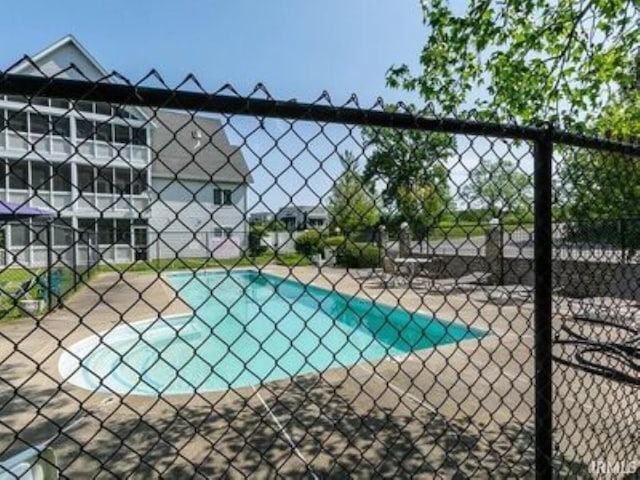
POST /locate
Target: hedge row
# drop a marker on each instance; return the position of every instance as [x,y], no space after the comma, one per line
[348,254]
[359,255]
[312,242]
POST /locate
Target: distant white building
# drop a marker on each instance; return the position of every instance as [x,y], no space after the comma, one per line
[141,184]
[261,217]
[300,217]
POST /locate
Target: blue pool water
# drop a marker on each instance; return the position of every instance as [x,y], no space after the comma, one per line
[249,327]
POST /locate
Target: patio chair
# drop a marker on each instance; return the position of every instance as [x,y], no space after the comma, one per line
[468,283]
[391,274]
[35,462]
[20,292]
[623,313]
[432,269]
[39,460]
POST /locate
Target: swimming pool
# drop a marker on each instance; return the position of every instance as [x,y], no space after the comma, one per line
[248,327]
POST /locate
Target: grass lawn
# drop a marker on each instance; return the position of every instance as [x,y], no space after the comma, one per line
[12,278]
[163,265]
[467,230]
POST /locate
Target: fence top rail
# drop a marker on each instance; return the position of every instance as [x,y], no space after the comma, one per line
[134,95]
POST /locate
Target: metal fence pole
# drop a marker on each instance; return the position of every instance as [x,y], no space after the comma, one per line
[543,153]
[74,240]
[623,238]
[49,267]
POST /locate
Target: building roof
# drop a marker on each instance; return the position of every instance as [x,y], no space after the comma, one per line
[68,41]
[178,149]
[309,210]
[195,148]
[314,210]
[69,56]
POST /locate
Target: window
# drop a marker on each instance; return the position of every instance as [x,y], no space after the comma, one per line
[84,128]
[17,98]
[103,108]
[17,121]
[59,103]
[222,232]
[3,121]
[105,180]
[316,222]
[85,178]
[62,177]
[62,234]
[121,134]
[39,230]
[86,224]
[87,227]
[40,175]
[39,124]
[103,132]
[83,106]
[43,101]
[123,182]
[139,136]
[123,232]
[19,175]
[105,232]
[222,197]
[19,235]
[3,173]
[139,184]
[61,126]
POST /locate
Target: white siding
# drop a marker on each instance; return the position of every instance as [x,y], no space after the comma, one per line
[60,59]
[184,220]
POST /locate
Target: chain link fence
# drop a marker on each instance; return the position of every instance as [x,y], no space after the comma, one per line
[284,289]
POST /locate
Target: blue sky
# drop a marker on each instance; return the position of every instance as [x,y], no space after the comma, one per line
[298,49]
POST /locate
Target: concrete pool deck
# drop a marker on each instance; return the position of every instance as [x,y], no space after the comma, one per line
[464,408]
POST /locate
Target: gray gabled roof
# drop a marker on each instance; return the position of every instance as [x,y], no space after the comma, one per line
[68,58]
[317,211]
[180,151]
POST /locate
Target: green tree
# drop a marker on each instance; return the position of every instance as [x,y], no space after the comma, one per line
[599,191]
[603,198]
[257,232]
[353,203]
[411,166]
[422,207]
[500,188]
[402,159]
[564,60]
[572,62]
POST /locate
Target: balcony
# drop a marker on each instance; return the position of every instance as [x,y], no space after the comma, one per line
[112,204]
[98,152]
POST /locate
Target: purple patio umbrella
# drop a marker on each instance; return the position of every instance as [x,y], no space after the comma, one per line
[15,211]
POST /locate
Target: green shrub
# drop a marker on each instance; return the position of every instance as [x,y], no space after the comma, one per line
[359,255]
[335,241]
[256,234]
[309,243]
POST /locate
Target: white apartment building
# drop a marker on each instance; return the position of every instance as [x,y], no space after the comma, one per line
[136,183]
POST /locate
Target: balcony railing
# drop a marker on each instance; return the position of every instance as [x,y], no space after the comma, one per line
[87,204]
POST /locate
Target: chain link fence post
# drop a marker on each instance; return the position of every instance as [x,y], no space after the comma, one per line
[543,154]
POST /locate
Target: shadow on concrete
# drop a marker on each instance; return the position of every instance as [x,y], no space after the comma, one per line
[340,431]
